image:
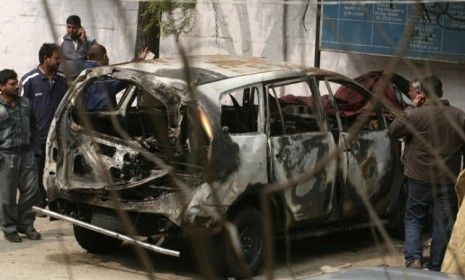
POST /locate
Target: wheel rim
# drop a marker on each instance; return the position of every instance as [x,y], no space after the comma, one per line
[251,243]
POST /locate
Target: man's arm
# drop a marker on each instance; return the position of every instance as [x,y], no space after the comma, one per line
[84,38]
[34,130]
[25,89]
[26,92]
[398,129]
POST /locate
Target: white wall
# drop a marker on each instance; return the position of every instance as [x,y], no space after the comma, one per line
[25,27]
[255,28]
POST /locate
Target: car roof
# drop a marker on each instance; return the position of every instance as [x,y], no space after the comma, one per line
[211,68]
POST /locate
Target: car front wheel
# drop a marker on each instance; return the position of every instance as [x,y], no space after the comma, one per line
[250,233]
[95,242]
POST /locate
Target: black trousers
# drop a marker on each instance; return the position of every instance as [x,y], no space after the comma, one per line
[40,163]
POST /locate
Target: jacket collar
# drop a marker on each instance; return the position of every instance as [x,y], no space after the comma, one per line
[43,76]
[68,37]
[4,103]
[435,102]
[91,64]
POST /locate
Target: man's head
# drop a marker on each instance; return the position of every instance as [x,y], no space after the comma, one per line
[9,82]
[414,88]
[432,86]
[49,56]
[73,24]
[98,53]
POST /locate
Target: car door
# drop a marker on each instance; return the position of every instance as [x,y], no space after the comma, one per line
[298,142]
[242,117]
[367,163]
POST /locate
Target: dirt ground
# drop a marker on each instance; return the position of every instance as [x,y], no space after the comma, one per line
[58,256]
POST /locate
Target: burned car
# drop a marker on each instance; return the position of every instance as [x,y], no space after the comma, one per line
[184,147]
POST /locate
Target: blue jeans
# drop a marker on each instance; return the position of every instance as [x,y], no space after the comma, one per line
[438,200]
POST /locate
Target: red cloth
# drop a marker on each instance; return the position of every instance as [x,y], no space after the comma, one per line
[301,100]
[350,103]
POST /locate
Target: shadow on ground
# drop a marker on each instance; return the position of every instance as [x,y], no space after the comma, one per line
[301,256]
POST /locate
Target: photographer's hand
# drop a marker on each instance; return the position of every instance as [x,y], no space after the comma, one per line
[419,100]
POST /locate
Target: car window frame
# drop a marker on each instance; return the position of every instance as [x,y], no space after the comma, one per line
[378,109]
[315,94]
[261,105]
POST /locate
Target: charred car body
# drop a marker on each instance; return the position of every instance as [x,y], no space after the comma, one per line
[173,154]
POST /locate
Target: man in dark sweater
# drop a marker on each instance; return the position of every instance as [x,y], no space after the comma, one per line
[44,87]
[435,137]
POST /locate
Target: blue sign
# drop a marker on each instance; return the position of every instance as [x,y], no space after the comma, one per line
[438,29]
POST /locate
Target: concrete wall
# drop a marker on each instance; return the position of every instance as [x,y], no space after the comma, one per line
[256,29]
[25,26]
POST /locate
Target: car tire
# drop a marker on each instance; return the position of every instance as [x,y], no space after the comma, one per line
[250,232]
[95,242]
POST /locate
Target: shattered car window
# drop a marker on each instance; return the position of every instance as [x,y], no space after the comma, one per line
[349,102]
[104,94]
[138,123]
[293,111]
[239,110]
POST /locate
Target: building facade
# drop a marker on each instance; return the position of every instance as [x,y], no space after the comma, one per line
[27,24]
[281,31]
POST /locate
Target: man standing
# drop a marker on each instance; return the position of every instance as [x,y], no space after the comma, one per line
[44,86]
[17,167]
[435,126]
[75,47]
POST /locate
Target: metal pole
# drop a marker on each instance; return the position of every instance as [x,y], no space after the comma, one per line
[106,232]
[317,57]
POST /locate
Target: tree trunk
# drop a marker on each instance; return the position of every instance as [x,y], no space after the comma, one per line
[151,38]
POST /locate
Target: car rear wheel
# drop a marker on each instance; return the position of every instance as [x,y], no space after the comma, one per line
[95,242]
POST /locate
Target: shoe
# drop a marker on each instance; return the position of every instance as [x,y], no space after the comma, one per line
[415,264]
[31,234]
[13,237]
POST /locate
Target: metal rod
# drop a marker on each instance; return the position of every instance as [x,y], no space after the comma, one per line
[107,232]
[317,57]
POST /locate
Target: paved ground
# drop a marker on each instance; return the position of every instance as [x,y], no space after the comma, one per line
[58,256]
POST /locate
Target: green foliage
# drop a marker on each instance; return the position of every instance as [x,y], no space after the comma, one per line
[173,17]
